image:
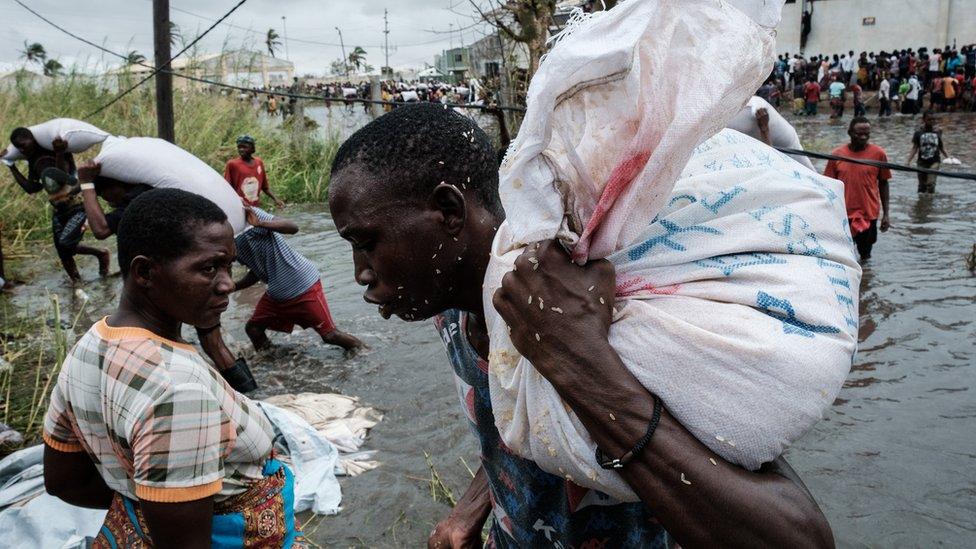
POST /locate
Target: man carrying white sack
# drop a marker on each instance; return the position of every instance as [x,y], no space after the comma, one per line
[421,247]
[723,258]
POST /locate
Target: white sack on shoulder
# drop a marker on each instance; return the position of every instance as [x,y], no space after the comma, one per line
[161,164]
[80,136]
[737,306]
[736,288]
[781,133]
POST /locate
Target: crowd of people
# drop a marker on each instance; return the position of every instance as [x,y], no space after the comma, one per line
[907,81]
[281,100]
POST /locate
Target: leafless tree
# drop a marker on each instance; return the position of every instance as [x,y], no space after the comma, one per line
[523,21]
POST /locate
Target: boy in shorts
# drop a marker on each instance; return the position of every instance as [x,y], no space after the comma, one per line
[294,293]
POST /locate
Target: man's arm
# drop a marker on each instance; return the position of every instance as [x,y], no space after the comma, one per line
[179,525]
[462,528]
[30,187]
[73,478]
[271,195]
[724,505]
[87,173]
[61,156]
[912,154]
[249,279]
[885,219]
[277,224]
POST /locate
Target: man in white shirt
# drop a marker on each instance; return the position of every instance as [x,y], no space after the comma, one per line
[911,98]
[884,97]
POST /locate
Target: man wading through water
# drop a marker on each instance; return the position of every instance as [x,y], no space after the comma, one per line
[416,193]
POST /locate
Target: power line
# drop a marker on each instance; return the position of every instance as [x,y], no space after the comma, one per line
[156,70]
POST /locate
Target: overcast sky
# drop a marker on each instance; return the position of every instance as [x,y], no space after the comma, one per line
[125,25]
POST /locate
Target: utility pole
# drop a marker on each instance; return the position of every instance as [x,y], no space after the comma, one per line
[386,41]
[345,65]
[284,29]
[164,80]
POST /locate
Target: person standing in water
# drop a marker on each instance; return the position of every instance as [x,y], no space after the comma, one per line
[865,187]
[247,175]
[928,145]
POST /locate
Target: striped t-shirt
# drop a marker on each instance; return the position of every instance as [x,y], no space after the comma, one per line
[158,422]
[287,273]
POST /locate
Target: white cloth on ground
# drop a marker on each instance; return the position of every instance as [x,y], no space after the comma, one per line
[339,418]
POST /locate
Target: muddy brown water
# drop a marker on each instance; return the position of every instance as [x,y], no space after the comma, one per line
[892,463]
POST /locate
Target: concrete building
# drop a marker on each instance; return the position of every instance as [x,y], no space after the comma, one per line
[239,68]
[454,63]
[491,53]
[23,78]
[838,26]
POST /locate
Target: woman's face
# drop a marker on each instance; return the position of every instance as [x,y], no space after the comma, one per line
[195,287]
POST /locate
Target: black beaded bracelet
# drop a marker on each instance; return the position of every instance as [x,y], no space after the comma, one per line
[608,463]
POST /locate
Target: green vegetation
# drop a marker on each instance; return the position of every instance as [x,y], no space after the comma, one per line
[297,159]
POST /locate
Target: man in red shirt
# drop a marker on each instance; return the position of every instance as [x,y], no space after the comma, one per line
[247,174]
[865,187]
[811,92]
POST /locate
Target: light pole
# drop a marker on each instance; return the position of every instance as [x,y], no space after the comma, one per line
[342,45]
[284,29]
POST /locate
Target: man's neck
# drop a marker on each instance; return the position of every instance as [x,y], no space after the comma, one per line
[247,159]
[137,311]
[857,148]
[469,297]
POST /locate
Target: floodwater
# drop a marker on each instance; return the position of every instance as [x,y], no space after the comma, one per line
[891,463]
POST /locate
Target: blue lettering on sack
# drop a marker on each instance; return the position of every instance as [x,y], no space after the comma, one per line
[732,262]
[724,198]
[666,239]
[782,310]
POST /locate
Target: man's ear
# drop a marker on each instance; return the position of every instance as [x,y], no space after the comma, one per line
[449,201]
[142,271]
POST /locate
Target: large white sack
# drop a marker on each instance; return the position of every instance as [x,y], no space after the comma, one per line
[410,96]
[736,289]
[781,133]
[80,136]
[161,164]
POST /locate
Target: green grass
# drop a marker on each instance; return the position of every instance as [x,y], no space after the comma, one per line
[297,159]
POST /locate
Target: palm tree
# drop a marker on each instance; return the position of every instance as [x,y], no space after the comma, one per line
[134,58]
[272,42]
[33,53]
[52,67]
[175,34]
[357,57]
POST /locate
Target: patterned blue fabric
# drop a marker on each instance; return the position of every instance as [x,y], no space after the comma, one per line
[287,273]
[532,508]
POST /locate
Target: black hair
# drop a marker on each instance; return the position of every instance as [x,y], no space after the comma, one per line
[857,120]
[21,132]
[160,224]
[418,146]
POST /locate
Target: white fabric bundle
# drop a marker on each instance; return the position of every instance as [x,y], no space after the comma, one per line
[781,133]
[349,92]
[736,284]
[80,136]
[161,164]
[410,96]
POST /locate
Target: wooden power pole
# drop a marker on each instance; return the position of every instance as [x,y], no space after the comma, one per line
[164,80]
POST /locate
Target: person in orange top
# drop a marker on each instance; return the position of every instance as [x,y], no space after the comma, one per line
[865,187]
[247,174]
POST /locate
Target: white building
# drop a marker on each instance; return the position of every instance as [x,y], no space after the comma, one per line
[238,68]
[839,26]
